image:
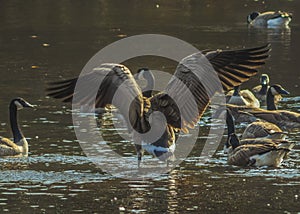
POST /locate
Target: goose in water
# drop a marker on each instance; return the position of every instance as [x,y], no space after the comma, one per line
[282,118]
[232,67]
[242,98]
[269,19]
[260,91]
[19,146]
[242,113]
[255,133]
[263,129]
[257,152]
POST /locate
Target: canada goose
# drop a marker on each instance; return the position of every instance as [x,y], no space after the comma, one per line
[282,118]
[263,129]
[242,98]
[261,90]
[254,130]
[19,146]
[257,152]
[232,67]
[269,19]
[242,113]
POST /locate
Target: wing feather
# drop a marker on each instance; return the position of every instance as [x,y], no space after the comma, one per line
[193,83]
[110,78]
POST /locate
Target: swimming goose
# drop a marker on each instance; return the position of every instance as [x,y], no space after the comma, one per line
[257,152]
[19,146]
[242,98]
[242,113]
[282,118]
[269,19]
[232,67]
[254,131]
[261,90]
[263,129]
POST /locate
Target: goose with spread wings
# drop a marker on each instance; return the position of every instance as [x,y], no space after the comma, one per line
[232,67]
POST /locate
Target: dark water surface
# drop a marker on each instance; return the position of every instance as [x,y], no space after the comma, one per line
[44,41]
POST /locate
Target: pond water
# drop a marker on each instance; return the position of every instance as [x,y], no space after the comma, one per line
[45,41]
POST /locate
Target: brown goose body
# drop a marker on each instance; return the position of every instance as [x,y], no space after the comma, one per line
[257,152]
[282,118]
[242,98]
[262,129]
[232,68]
[255,133]
[262,154]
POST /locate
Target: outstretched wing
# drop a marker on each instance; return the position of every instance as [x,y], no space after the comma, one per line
[194,82]
[237,66]
[107,84]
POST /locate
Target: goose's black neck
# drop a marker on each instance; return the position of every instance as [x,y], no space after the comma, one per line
[264,89]
[230,123]
[270,101]
[17,133]
[234,141]
[230,126]
[236,91]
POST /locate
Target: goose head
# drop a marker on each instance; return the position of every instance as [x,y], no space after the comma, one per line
[20,103]
[264,79]
[144,74]
[278,89]
[252,16]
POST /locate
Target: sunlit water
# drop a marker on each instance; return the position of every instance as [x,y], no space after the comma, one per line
[44,42]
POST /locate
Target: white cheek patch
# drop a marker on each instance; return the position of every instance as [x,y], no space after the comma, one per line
[142,82]
[249,19]
[18,104]
[274,92]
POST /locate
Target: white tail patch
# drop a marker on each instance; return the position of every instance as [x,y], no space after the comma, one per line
[280,21]
[272,158]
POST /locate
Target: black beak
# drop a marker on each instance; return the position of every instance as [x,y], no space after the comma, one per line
[283,91]
[28,105]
